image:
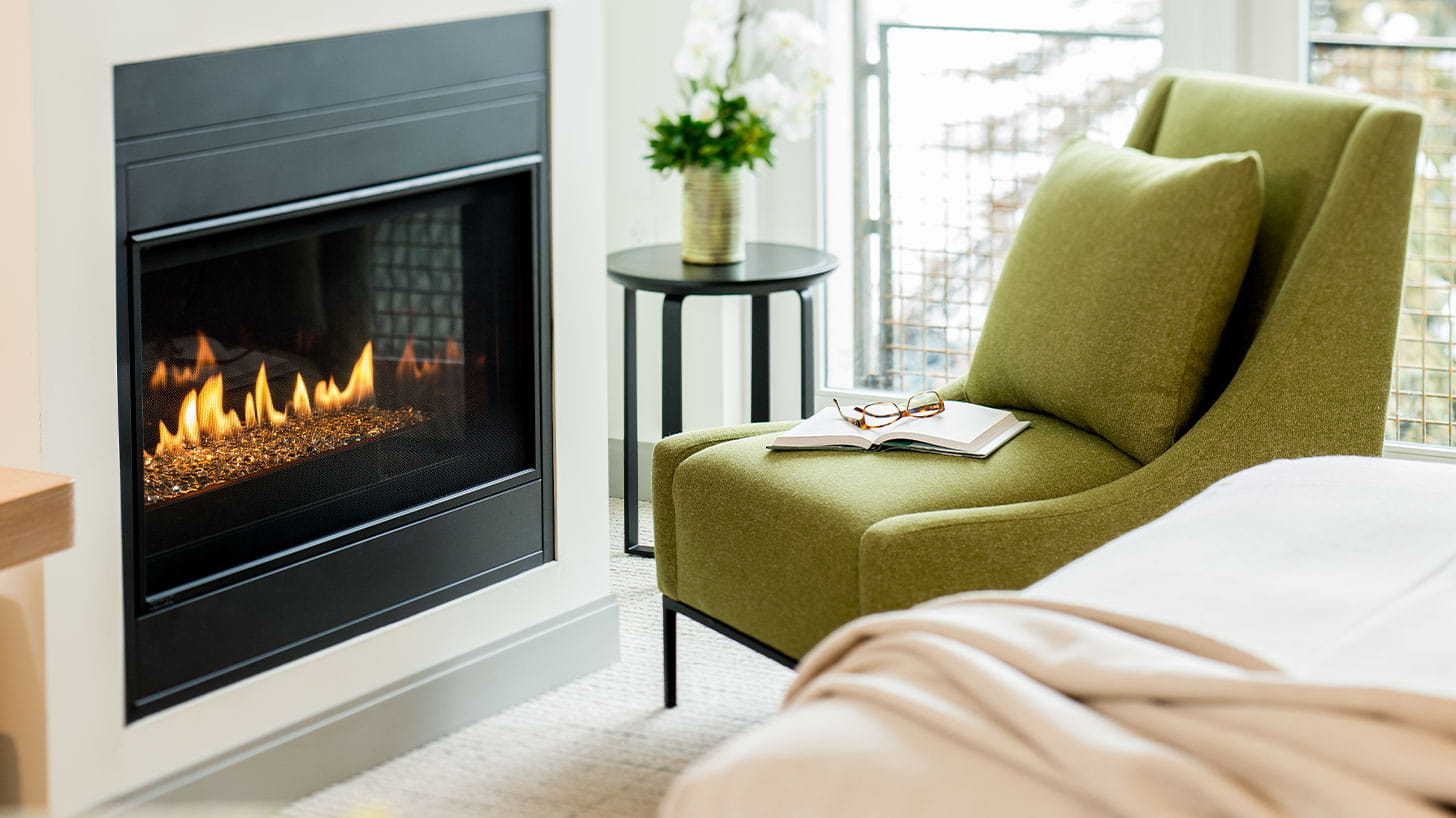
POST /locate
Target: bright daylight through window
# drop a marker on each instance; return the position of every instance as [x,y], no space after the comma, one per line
[960,108]
[1407,51]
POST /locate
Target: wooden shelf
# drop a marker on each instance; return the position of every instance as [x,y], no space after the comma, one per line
[35,515]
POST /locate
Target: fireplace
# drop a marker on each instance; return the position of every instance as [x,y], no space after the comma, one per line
[333,315]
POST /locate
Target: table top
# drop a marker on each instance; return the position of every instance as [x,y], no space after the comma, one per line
[766,268]
[35,515]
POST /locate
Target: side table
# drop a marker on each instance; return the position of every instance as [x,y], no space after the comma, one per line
[766,269]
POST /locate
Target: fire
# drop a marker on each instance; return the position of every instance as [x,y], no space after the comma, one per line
[211,418]
[360,388]
[265,408]
[300,399]
[411,366]
[205,361]
[203,413]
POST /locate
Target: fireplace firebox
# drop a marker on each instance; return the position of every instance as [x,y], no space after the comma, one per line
[333,312]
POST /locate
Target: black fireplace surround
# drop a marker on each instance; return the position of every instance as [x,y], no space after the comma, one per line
[333,341]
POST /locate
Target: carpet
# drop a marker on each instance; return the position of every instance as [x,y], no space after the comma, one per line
[600,746]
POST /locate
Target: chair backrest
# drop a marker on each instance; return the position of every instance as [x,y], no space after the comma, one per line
[1304,364]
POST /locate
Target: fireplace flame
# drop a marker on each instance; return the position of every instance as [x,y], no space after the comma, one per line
[187,431]
[360,388]
[410,366]
[300,399]
[265,410]
[203,362]
[203,412]
[211,418]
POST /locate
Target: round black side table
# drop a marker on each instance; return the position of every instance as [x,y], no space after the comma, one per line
[766,269]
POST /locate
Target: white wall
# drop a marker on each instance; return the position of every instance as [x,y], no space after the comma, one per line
[1255,37]
[74,44]
[22,694]
[645,207]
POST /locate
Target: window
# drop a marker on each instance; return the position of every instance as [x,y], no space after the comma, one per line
[960,113]
[1407,51]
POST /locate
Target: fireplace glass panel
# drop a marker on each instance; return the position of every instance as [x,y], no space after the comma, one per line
[300,377]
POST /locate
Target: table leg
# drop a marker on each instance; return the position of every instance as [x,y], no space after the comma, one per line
[669,655]
[806,351]
[671,364]
[758,402]
[629,426]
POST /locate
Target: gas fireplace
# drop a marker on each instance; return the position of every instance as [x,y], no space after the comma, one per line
[333,313]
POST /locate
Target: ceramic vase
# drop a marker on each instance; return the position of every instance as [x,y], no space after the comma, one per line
[712,215]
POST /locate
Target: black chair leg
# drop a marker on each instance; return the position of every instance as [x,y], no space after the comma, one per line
[669,655]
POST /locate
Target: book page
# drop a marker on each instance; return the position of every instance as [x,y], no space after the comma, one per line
[961,426]
[825,428]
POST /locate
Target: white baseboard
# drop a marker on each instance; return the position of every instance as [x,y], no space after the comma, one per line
[363,733]
[644,468]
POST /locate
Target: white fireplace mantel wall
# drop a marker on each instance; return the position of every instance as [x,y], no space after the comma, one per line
[57,327]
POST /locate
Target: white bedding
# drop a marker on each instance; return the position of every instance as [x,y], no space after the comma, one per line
[1335,571]
[1338,568]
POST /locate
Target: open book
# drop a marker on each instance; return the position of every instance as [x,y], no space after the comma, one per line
[964,429]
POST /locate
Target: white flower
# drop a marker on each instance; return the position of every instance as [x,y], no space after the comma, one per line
[779,61]
[706,51]
[811,75]
[798,118]
[795,119]
[703,106]
[763,95]
[787,33]
[791,47]
[717,11]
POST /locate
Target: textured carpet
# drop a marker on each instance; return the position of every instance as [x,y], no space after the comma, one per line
[600,746]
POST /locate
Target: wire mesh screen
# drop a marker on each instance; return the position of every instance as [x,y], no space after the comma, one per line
[1421,403]
[969,120]
[416,277]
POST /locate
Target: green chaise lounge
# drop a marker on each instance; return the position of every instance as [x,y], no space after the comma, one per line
[1152,358]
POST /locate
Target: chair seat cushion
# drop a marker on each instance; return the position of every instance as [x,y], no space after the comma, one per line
[768,541]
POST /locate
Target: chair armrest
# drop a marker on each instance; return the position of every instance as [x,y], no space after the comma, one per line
[666,456]
[910,558]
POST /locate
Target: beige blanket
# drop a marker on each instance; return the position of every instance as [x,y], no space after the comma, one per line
[1006,706]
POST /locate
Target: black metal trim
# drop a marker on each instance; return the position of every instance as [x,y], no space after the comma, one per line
[669,655]
[630,526]
[360,118]
[670,607]
[334,201]
[194,93]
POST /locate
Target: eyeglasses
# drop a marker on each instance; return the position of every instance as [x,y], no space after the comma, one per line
[883,412]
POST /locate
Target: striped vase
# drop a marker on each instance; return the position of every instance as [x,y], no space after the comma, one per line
[712,215]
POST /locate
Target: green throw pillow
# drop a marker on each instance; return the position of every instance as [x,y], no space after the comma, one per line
[1116,290]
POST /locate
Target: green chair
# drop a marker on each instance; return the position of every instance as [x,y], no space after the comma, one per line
[776,549]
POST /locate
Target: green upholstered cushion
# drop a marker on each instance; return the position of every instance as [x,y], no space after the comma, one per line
[1299,133]
[769,541]
[1116,290]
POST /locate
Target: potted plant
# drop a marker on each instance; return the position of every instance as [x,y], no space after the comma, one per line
[747,76]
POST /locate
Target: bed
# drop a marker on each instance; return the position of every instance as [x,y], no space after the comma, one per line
[1283,644]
